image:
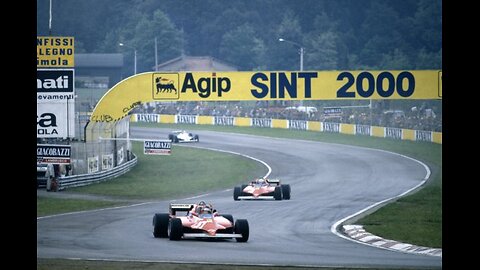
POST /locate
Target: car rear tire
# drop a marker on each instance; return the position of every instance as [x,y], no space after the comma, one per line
[175,229]
[236,192]
[241,227]
[277,194]
[286,192]
[160,225]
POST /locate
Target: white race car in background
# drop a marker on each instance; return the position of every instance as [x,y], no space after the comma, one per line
[182,136]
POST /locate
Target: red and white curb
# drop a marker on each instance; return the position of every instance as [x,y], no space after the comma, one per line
[358,233]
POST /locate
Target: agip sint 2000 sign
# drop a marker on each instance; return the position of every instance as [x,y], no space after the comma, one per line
[302,85]
[266,85]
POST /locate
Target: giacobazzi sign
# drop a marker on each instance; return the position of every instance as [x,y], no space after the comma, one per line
[266,85]
[53,153]
[155,147]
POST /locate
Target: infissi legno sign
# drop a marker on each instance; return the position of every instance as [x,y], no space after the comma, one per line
[55,52]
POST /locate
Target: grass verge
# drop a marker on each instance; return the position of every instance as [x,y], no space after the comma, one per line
[188,171]
[51,206]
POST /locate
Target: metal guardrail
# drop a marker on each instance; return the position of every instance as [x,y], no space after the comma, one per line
[87,179]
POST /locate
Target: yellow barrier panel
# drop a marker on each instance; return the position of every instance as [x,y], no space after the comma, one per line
[242,121]
[167,119]
[409,134]
[279,123]
[314,125]
[437,137]
[378,131]
[347,129]
[205,120]
[265,85]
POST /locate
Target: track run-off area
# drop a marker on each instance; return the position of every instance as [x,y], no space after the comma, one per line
[329,182]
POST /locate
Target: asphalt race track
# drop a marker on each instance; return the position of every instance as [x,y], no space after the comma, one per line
[328,182]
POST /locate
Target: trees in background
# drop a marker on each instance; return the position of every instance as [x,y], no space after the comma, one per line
[343,34]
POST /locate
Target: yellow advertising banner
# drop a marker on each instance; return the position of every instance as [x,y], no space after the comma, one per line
[265,85]
[55,52]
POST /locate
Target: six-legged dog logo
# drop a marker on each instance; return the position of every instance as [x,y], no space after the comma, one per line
[165,86]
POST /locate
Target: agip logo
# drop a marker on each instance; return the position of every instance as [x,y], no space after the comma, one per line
[165,86]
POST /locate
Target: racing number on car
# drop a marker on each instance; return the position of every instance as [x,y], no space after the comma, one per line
[385,84]
[199,224]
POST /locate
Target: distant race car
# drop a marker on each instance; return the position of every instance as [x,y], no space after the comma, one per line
[262,188]
[200,221]
[183,136]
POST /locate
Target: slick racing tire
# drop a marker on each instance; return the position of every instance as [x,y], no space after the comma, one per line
[236,192]
[175,229]
[286,192]
[241,227]
[160,225]
[277,194]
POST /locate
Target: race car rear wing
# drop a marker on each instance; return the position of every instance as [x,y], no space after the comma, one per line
[184,207]
[274,181]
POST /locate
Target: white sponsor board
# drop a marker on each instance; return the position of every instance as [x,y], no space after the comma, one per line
[330,127]
[120,156]
[394,133]
[93,164]
[55,120]
[422,135]
[53,153]
[107,162]
[186,119]
[224,120]
[155,147]
[297,124]
[148,118]
[55,103]
[261,122]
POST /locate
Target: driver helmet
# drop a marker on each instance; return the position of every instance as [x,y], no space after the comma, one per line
[201,207]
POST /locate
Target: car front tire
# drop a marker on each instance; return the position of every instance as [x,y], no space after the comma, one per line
[175,229]
[160,225]
[241,227]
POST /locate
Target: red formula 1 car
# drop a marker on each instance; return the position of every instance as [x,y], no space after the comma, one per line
[262,188]
[200,221]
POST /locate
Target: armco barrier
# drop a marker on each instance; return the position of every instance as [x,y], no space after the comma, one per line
[86,179]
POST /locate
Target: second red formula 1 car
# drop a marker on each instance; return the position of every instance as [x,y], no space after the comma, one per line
[262,188]
[200,221]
